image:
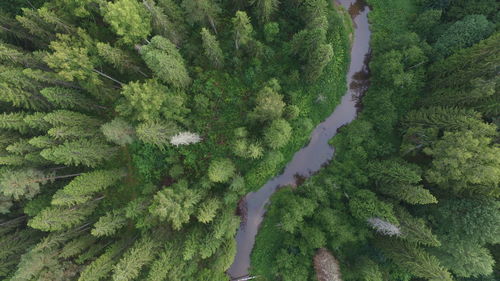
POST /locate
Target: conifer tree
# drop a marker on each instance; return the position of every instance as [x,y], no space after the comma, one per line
[463,162]
[103,265]
[128,19]
[23,183]
[67,98]
[14,121]
[156,133]
[278,134]
[82,188]
[264,9]
[119,131]
[166,20]
[269,105]
[416,260]
[20,90]
[201,12]
[242,29]
[118,58]
[208,210]
[150,101]
[110,223]
[61,218]
[163,58]
[211,48]
[221,170]
[139,255]
[87,152]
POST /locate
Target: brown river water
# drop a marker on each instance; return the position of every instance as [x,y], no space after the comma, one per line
[318,152]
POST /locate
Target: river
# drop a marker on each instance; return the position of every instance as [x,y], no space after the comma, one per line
[318,152]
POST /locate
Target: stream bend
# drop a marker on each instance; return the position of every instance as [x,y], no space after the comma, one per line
[318,152]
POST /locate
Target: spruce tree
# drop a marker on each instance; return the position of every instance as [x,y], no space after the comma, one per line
[129,19]
[211,48]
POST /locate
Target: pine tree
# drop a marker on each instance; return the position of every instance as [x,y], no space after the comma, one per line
[119,131]
[67,98]
[265,8]
[87,152]
[138,256]
[163,264]
[36,121]
[110,223]
[20,90]
[201,12]
[151,101]
[23,183]
[463,162]
[400,180]
[118,58]
[242,29]
[208,210]
[61,218]
[269,105]
[14,121]
[82,188]
[175,204]
[103,265]
[212,48]
[318,60]
[156,133]
[221,170]
[166,20]
[163,58]
[21,147]
[277,134]
[128,19]
[417,261]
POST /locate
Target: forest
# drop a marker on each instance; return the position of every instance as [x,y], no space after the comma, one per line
[413,191]
[131,129]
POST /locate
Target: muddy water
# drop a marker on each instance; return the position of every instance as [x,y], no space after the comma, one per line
[318,152]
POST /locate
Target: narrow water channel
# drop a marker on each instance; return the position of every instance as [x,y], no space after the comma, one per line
[312,157]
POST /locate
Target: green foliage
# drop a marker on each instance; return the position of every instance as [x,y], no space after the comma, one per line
[139,255]
[82,188]
[85,152]
[463,34]
[163,58]
[269,105]
[128,19]
[119,132]
[221,170]
[242,29]
[211,48]
[277,134]
[156,133]
[175,204]
[150,101]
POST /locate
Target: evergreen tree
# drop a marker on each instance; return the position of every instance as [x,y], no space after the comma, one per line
[149,101]
[175,204]
[85,152]
[156,133]
[242,29]
[119,131]
[163,58]
[139,255]
[82,188]
[61,218]
[129,19]
[109,224]
[221,170]
[463,162]
[278,134]
[265,8]
[201,12]
[23,183]
[212,48]
[269,105]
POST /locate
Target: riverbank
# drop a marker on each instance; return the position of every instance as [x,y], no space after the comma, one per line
[310,158]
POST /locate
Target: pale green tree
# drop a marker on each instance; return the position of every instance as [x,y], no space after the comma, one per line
[129,19]
[221,170]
